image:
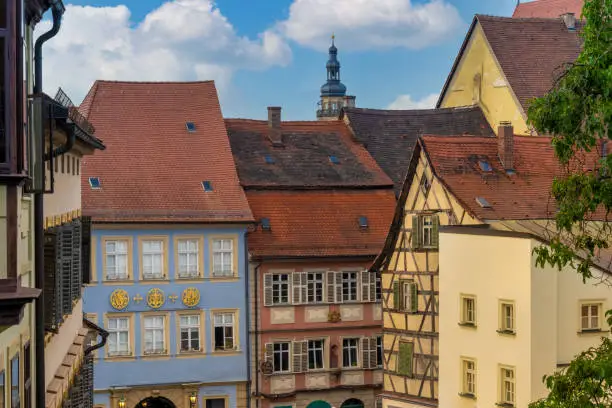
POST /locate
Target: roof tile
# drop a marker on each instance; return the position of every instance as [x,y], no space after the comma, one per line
[548,8]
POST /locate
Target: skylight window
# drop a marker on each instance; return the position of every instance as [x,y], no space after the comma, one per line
[363,222]
[483,202]
[265,224]
[207,186]
[270,159]
[94,182]
[190,127]
[334,160]
[485,166]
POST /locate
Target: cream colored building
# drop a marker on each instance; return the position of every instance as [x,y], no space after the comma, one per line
[505,323]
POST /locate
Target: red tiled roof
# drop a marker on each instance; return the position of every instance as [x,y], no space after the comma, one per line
[152,168]
[523,195]
[548,8]
[320,223]
[304,159]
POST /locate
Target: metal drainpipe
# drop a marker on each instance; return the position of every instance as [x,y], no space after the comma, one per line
[248,320]
[256,314]
[39,267]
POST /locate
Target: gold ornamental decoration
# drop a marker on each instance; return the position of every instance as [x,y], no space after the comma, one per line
[119,299]
[191,297]
[155,298]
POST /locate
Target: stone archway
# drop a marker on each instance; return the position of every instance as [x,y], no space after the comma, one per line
[352,403]
[319,404]
[155,402]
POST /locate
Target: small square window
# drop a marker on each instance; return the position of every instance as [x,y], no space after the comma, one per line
[265,224]
[363,222]
[590,316]
[207,186]
[190,127]
[334,160]
[270,159]
[94,182]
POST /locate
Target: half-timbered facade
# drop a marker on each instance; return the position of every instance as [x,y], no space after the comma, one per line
[323,207]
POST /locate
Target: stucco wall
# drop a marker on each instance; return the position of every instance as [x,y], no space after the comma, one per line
[495,98]
[67,193]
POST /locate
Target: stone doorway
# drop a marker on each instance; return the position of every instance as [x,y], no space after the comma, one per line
[155,402]
[352,403]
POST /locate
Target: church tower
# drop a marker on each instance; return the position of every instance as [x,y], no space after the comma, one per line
[333,92]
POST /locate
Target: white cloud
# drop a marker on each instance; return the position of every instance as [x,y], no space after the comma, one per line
[406,102]
[180,40]
[370,24]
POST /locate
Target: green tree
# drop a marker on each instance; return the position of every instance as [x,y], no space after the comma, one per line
[578,113]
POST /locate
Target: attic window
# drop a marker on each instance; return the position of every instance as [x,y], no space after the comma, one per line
[363,222]
[483,202]
[94,182]
[207,186]
[265,224]
[334,160]
[485,166]
[190,127]
[270,159]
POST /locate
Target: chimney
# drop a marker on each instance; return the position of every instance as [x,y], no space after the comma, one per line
[570,20]
[505,145]
[274,125]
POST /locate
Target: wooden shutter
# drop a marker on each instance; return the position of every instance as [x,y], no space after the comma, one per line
[404,358]
[365,353]
[338,286]
[86,249]
[268,356]
[396,296]
[373,277]
[300,356]
[53,306]
[300,287]
[65,248]
[267,289]
[416,231]
[331,286]
[76,273]
[374,353]
[414,299]
[365,286]
[436,227]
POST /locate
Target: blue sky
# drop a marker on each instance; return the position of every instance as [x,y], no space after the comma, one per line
[267,52]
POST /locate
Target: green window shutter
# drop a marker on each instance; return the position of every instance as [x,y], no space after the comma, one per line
[436,227]
[396,295]
[414,298]
[404,363]
[416,232]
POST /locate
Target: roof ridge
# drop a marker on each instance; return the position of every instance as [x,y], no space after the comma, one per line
[108,81]
[518,19]
[431,111]
[301,122]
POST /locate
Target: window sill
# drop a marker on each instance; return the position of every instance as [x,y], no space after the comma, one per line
[350,368]
[226,352]
[154,280]
[228,278]
[466,324]
[181,279]
[504,404]
[467,395]
[117,282]
[506,332]
[154,356]
[119,357]
[592,331]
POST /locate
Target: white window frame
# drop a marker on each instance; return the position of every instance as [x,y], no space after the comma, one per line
[226,258]
[313,279]
[351,283]
[406,292]
[281,345]
[157,346]
[189,328]
[316,348]
[116,254]
[347,343]
[588,318]
[507,322]
[468,371]
[185,249]
[152,254]
[228,320]
[115,332]
[465,317]
[277,283]
[507,376]
[427,231]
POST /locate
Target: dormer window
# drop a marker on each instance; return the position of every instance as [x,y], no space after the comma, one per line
[269,159]
[334,160]
[94,183]
[207,186]
[265,224]
[190,127]
[363,222]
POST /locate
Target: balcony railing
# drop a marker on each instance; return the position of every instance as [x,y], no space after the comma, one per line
[73,113]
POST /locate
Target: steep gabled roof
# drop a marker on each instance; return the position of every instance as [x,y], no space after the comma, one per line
[390,135]
[320,223]
[303,161]
[548,8]
[153,167]
[532,52]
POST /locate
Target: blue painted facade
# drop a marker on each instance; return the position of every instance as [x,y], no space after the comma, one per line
[213,370]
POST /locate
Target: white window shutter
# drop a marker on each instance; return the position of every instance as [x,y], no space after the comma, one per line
[338,287]
[374,353]
[365,286]
[304,286]
[365,353]
[267,289]
[331,286]
[297,292]
[300,356]
[373,276]
[269,353]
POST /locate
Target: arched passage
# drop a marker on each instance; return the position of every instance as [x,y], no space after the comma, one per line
[352,403]
[319,404]
[155,402]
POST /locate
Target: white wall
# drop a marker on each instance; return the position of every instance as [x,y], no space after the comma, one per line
[67,194]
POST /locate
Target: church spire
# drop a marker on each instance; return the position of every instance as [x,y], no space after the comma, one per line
[333,92]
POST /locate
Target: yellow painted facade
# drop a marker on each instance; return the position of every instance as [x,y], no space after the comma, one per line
[420,266]
[479,80]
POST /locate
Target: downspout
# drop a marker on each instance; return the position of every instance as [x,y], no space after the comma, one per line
[103,333]
[39,267]
[248,319]
[256,314]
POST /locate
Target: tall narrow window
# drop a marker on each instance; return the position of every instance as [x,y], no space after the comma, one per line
[27,376]
[190,333]
[224,331]
[155,342]
[507,386]
[468,310]
[468,368]
[427,231]
[188,261]
[15,400]
[153,259]
[116,260]
[349,286]
[378,288]
[350,352]
[315,354]
[281,357]
[315,287]
[507,317]
[223,254]
[280,288]
[379,351]
[119,336]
